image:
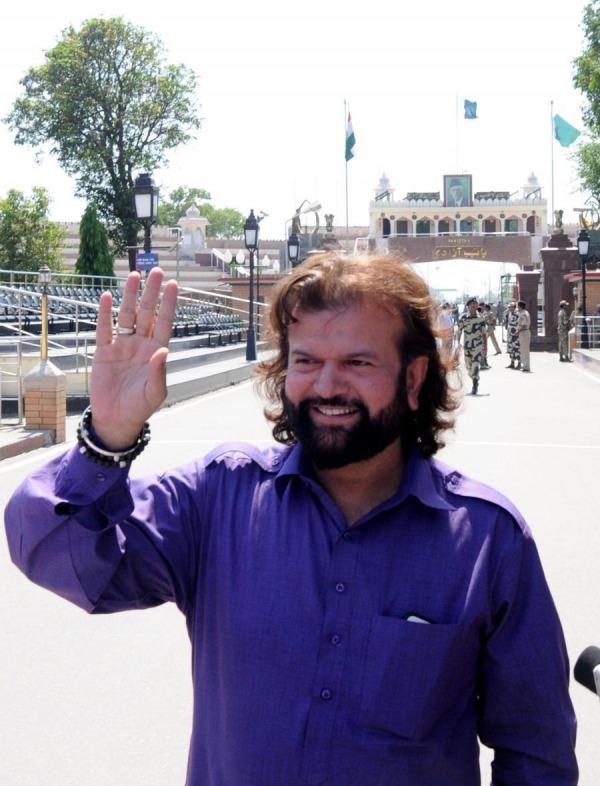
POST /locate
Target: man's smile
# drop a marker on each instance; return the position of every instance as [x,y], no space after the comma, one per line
[334,411]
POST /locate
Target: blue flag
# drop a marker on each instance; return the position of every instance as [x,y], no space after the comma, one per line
[564,132]
[470,110]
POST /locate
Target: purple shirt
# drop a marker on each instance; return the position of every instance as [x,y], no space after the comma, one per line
[321,654]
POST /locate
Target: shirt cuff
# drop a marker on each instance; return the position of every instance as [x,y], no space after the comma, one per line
[81,482]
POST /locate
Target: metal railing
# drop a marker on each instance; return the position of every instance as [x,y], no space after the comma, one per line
[217,318]
[587,332]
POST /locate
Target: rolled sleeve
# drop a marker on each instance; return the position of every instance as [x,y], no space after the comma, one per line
[61,518]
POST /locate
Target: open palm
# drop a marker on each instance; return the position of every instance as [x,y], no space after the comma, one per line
[128,372]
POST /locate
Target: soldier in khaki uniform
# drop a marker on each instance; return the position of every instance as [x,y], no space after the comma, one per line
[524,333]
[564,323]
[492,322]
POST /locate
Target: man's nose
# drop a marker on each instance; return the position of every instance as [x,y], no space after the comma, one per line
[329,381]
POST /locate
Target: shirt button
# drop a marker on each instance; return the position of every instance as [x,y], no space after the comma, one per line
[100,477]
[453,479]
[340,587]
[335,639]
[325,694]
[347,535]
[276,462]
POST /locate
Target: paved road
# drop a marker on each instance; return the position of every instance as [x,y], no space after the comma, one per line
[93,701]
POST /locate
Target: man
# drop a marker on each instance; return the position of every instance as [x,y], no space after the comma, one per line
[485,366]
[359,612]
[447,328]
[511,323]
[563,326]
[473,325]
[491,327]
[456,192]
[524,334]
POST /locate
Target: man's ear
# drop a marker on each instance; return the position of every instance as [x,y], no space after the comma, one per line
[415,376]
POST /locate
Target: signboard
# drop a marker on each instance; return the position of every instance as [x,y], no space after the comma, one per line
[146,261]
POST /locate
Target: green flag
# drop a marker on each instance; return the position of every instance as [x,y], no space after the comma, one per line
[564,132]
[350,139]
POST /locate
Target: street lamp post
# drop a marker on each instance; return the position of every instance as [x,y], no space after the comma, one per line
[265,265]
[44,278]
[293,248]
[145,195]
[583,247]
[251,233]
[233,263]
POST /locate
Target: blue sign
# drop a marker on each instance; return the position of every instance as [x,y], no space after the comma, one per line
[146,261]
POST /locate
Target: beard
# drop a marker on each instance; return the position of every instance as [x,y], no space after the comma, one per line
[332,447]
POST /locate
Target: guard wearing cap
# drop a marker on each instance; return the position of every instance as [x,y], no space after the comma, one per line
[524,333]
[564,325]
[473,325]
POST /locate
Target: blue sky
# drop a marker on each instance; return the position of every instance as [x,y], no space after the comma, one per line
[274,78]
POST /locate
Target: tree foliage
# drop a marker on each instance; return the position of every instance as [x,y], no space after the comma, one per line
[223,222]
[181,199]
[586,78]
[28,239]
[108,106]
[95,257]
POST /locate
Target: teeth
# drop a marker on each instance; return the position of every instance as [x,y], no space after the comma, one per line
[335,410]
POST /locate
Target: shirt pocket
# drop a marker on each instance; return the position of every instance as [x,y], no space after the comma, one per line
[416,674]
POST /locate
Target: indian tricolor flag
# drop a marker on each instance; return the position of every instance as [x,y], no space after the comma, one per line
[350,139]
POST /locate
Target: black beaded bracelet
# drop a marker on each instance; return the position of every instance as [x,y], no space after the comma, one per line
[108,458]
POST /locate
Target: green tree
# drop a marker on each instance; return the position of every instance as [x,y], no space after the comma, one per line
[95,257]
[586,78]
[107,105]
[223,222]
[172,209]
[28,239]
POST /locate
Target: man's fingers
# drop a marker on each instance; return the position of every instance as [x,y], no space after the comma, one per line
[163,325]
[127,310]
[104,325]
[146,311]
[139,314]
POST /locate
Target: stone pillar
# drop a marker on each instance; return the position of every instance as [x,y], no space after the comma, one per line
[45,394]
[559,258]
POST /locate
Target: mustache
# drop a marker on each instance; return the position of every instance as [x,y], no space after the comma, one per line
[334,401]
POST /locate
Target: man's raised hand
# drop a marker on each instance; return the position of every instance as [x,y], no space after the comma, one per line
[129,369]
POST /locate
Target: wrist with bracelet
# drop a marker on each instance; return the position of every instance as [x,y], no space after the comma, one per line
[100,455]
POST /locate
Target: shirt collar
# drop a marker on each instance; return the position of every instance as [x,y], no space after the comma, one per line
[421,478]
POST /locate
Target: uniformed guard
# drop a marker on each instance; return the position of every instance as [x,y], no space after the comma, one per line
[513,347]
[564,325]
[473,326]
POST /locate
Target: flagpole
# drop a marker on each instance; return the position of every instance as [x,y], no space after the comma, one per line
[552,162]
[346,168]
[457,155]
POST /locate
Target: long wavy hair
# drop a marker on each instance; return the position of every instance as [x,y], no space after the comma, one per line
[333,282]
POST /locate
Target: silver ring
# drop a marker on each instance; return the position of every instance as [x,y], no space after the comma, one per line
[123,331]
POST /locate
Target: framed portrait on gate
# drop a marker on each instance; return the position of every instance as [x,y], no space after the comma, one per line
[458,190]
